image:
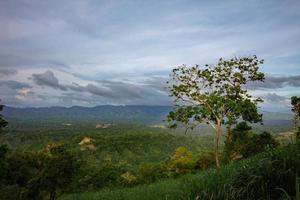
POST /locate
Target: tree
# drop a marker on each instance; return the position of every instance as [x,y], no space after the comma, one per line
[182,161]
[295,102]
[3,122]
[216,95]
[246,143]
[59,169]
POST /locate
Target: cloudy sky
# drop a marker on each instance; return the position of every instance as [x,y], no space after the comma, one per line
[75,52]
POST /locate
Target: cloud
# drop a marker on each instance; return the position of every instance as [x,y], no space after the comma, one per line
[93,89]
[121,51]
[275,98]
[272,82]
[47,79]
[157,82]
[117,91]
[136,39]
[14,92]
[15,85]
[7,72]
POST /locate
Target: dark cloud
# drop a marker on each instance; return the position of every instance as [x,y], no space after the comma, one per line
[117,91]
[157,82]
[8,72]
[272,82]
[93,89]
[127,90]
[15,85]
[274,98]
[47,79]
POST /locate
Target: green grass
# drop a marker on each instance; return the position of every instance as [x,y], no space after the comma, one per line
[270,175]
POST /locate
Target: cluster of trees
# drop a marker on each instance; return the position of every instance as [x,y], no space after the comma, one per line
[36,175]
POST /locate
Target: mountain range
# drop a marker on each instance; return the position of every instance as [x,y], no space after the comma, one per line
[115,114]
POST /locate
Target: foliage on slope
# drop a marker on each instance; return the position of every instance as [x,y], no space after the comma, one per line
[269,175]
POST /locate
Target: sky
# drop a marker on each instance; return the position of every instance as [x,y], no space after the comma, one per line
[93,52]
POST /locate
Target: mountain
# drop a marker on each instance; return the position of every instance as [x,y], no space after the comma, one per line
[106,113]
[115,114]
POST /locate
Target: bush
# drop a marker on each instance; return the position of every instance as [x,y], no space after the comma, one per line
[182,161]
[98,175]
[273,177]
[205,160]
[149,172]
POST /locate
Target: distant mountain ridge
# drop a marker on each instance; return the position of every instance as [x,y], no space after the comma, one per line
[109,113]
[114,114]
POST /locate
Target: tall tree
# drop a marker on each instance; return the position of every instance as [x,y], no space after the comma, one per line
[295,101]
[216,95]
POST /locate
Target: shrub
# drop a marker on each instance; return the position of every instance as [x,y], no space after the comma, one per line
[149,172]
[205,160]
[128,178]
[182,161]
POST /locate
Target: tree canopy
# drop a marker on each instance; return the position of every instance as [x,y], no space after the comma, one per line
[295,102]
[3,122]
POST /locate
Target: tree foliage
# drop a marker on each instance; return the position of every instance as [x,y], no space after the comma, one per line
[182,161]
[246,143]
[3,122]
[295,102]
[36,175]
[215,94]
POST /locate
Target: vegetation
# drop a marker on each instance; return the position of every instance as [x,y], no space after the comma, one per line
[216,95]
[269,175]
[295,101]
[144,156]
[3,122]
[245,143]
[34,175]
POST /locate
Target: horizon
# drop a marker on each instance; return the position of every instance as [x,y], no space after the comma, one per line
[285,111]
[121,52]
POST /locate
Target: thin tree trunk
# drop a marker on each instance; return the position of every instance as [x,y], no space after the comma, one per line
[52,195]
[296,128]
[217,142]
[229,133]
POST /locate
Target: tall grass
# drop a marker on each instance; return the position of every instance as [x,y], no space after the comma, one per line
[270,175]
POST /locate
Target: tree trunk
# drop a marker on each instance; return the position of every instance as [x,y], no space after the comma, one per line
[217,142]
[229,133]
[53,195]
[296,128]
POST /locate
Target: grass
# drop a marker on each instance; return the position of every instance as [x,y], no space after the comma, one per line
[270,175]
